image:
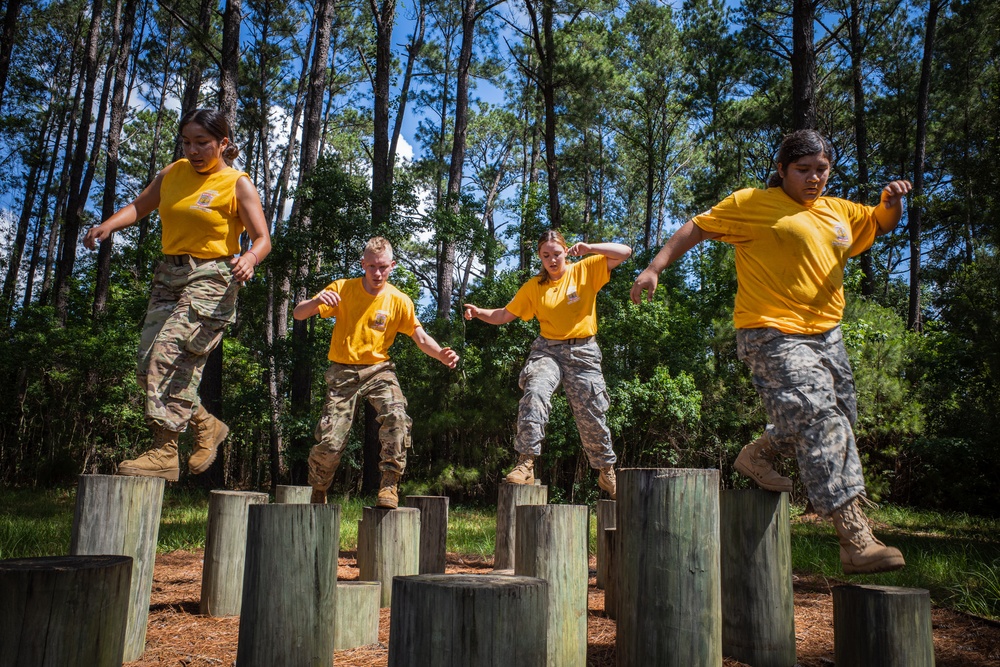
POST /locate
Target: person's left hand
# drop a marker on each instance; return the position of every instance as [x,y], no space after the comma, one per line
[244,267]
[578,250]
[893,193]
[448,357]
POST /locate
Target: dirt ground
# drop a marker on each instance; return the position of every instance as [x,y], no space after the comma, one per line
[178,636]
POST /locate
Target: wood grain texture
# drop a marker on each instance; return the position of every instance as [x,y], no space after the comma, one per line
[120,515]
[225,551]
[433,531]
[611,576]
[605,519]
[64,610]
[388,546]
[509,497]
[292,495]
[882,626]
[356,615]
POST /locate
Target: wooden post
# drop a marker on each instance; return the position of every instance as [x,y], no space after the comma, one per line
[669,599]
[611,582]
[357,614]
[225,551]
[605,520]
[64,610]
[758,612]
[433,531]
[882,626]
[292,495]
[121,516]
[465,620]
[552,545]
[388,546]
[289,586]
[509,497]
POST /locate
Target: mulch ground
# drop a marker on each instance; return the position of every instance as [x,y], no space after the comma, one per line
[179,636]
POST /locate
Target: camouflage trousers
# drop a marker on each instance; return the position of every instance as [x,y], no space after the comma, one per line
[577,366]
[807,387]
[192,301]
[345,384]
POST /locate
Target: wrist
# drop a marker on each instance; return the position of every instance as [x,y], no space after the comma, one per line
[256,259]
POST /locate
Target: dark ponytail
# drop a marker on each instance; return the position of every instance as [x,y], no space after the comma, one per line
[216,124]
[798,145]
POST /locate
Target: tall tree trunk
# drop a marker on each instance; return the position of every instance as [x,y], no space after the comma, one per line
[860,132]
[7,42]
[803,65]
[40,227]
[231,19]
[545,47]
[385,19]
[914,213]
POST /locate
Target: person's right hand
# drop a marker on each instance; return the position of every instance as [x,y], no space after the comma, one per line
[646,282]
[471,312]
[328,298]
[95,235]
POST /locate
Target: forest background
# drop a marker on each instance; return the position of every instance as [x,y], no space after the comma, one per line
[608,121]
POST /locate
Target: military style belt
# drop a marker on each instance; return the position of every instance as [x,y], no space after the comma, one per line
[181,260]
[570,341]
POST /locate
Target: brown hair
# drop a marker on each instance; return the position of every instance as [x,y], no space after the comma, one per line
[799,144]
[547,236]
[216,124]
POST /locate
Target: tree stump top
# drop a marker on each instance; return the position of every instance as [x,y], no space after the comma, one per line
[674,472]
[60,563]
[467,581]
[885,590]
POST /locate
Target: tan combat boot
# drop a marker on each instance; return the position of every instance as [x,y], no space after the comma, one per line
[860,552]
[608,482]
[318,497]
[209,432]
[755,461]
[524,471]
[161,461]
[388,496]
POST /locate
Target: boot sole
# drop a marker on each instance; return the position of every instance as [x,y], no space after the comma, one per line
[885,565]
[746,471]
[211,457]
[169,475]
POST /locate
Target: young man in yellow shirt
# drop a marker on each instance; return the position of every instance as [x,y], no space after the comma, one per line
[369,313]
[792,245]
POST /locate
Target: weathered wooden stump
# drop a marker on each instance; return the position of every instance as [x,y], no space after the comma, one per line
[121,516]
[388,546]
[433,531]
[292,495]
[552,545]
[356,621]
[289,586]
[64,610]
[882,626]
[509,497]
[466,620]
[605,520]
[225,551]
[758,612]
[611,580]
[668,568]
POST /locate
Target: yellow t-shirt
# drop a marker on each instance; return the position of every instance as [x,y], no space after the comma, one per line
[566,308]
[790,258]
[367,325]
[199,212]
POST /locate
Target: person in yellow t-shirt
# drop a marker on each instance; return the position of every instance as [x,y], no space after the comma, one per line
[563,297]
[792,245]
[204,206]
[369,313]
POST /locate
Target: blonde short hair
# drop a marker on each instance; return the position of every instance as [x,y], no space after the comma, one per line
[377,245]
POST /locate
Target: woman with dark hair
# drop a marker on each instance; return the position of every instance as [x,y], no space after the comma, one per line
[204,206]
[792,245]
[563,297]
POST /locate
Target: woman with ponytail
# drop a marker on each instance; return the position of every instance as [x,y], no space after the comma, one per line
[204,204]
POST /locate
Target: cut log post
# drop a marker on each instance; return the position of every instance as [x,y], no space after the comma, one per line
[605,520]
[120,515]
[758,610]
[225,551]
[509,497]
[64,610]
[433,531]
[611,581]
[669,600]
[292,495]
[461,620]
[388,546]
[882,626]
[357,614]
[289,586]
[552,545]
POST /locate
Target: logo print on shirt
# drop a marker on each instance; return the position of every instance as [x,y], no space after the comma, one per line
[843,239]
[571,295]
[380,320]
[204,202]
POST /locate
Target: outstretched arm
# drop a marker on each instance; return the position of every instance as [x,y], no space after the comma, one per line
[615,252]
[489,315]
[306,309]
[430,347]
[685,238]
[890,210]
[140,207]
